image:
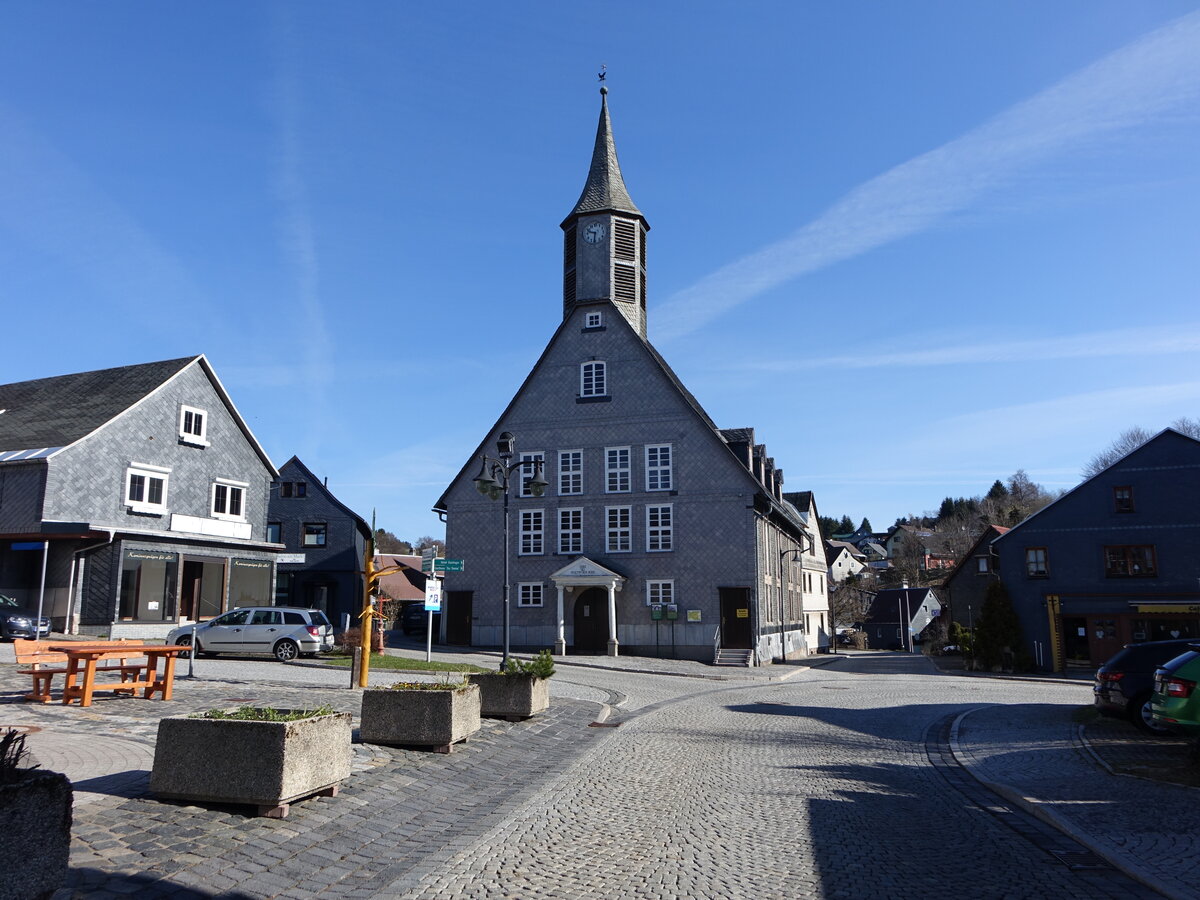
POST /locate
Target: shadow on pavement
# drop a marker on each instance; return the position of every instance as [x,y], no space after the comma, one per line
[85,882]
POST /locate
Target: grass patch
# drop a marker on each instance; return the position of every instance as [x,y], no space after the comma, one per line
[380,661]
[263,714]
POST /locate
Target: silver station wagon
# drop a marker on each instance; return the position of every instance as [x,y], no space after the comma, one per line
[283,631]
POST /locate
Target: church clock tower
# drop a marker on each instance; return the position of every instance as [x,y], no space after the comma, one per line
[604,240]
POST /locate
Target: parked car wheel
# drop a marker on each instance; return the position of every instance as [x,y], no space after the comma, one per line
[184,642]
[1139,713]
[286,651]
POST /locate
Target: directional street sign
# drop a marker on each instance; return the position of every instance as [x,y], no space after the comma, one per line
[447,565]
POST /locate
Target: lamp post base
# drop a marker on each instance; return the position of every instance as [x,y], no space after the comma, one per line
[613,647]
[560,648]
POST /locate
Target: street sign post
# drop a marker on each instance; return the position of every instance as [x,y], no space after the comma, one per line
[448,565]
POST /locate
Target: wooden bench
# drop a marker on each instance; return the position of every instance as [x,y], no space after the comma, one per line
[44,664]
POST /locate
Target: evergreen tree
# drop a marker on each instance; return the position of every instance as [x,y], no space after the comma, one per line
[866,525]
[998,638]
[997,491]
[846,526]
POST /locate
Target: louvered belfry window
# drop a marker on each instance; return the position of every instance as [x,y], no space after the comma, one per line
[625,260]
[569,240]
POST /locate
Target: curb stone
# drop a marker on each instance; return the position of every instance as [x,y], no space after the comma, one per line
[1037,809]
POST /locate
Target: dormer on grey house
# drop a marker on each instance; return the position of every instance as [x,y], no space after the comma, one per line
[143,491]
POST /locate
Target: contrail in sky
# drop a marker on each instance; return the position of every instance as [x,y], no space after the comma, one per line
[1130,87]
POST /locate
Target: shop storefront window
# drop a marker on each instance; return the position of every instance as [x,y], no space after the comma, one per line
[250,582]
[148,585]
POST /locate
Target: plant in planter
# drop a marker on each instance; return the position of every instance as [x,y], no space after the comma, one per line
[520,691]
[35,820]
[420,713]
[262,757]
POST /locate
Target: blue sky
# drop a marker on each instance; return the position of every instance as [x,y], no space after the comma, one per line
[916,246]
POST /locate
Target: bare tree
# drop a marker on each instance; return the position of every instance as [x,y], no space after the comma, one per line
[1132,438]
[849,602]
[1128,441]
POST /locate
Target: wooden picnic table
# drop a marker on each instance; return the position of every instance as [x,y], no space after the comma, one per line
[81,670]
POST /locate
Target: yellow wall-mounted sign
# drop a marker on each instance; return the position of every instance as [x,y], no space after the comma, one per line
[1161,608]
[743,613]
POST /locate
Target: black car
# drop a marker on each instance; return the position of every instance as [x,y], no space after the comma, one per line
[1124,684]
[413,619]
[16,620]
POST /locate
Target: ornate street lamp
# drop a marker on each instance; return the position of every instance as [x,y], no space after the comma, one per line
[493,481]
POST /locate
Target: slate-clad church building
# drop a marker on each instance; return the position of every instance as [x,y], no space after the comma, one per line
[650,508]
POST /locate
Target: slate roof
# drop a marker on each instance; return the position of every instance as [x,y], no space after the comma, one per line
[408,584]
[51,413]
[39,418]
[604,190]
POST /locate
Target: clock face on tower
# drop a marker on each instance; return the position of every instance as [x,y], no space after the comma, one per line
[594,233]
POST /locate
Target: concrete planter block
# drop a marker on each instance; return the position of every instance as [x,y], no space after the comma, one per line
[429,718]
[35,820]
[512,696]
[264,764]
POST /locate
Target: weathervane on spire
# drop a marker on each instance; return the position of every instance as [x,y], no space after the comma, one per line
[600,76]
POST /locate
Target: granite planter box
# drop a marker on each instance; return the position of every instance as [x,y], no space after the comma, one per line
[512,696]
[420,716]
[35,821]
[263,764]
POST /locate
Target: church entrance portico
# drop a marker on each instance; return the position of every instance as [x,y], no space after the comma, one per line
[594,610]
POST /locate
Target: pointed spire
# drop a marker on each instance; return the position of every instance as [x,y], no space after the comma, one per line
[605,188]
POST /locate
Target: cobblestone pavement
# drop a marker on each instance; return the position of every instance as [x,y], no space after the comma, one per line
[829,782]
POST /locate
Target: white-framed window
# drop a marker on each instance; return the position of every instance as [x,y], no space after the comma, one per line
[660,592]
[616,470]
[658,467]
[229,500]
[593,379]
[527,469]
[193,426]
[658,529]
[570,472]
[529,593]
[593,320]
[570,531]
[618,532]
[146,488]
[533,532]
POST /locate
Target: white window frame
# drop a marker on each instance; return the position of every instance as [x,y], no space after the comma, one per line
[200,438]
[570,530]
[593,319]
[532,533]
[662,531]
[660,476]
[618,538]
[530,594]
[528,458]
[621,474]
[593,378]
[660,591]
[147,472]
[570,472]
[227,487]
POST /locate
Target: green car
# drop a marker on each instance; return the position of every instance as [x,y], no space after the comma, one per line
[1176,701]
